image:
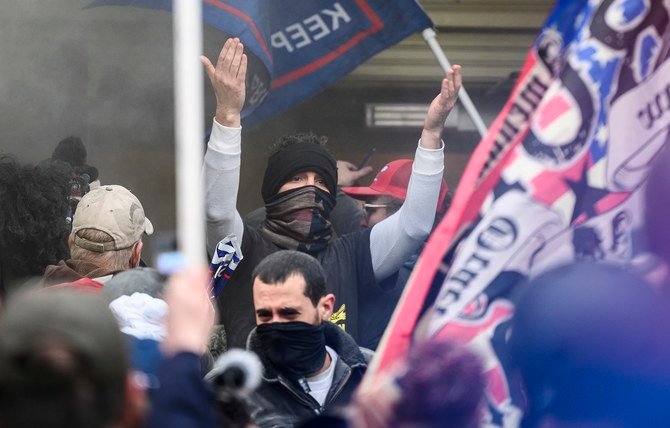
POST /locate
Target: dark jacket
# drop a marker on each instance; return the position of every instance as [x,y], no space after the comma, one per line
[346,261]
[183,400]
[280,402]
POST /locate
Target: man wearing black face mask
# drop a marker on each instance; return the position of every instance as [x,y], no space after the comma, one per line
[310,364]
[299,186]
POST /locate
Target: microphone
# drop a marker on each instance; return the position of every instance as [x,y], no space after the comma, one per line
[237,371]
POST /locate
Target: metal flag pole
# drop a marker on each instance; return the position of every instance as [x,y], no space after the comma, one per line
[189,129]
[430,37]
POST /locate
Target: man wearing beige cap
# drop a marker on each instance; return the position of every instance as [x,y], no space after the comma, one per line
[106,237]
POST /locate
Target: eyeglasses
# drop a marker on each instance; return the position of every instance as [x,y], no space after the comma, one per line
[368,208]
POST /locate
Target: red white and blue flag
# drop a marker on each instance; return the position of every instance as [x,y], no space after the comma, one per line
[296,49]
[558,178]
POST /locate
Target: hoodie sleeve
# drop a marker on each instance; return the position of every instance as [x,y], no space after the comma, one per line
[395,239]
[183,400]
[222,182]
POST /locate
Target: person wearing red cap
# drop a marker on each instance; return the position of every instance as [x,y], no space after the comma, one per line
[382,199]
[387,192]
[299,188]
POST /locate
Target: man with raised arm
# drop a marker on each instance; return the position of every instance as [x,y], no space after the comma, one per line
[298,189]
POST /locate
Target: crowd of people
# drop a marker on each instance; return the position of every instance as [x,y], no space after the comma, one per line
[306,285]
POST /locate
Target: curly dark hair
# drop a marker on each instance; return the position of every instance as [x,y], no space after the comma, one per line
[33,207]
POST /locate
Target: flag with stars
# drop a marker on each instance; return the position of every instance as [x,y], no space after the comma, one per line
[557,179]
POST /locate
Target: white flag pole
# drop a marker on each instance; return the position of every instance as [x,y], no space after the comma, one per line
[189,129]
[430,37]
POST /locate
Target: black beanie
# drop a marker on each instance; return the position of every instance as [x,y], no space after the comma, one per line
[297,158]
[71,150]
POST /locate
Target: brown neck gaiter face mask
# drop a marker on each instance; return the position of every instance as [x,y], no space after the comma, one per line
[298,219]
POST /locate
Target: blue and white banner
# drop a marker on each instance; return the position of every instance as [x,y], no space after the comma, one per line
[559,178]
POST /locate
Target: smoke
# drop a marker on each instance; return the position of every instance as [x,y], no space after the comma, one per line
[103,74]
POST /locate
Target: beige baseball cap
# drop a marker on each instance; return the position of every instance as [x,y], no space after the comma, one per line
[114,210]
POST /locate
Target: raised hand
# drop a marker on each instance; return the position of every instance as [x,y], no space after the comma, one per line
[348,174]
[440,107]
[191,313]
[228,80]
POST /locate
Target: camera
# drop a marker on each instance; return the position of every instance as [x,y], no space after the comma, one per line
[79,186]
[236,374]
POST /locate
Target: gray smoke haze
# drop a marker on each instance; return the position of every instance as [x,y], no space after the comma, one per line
[105,74]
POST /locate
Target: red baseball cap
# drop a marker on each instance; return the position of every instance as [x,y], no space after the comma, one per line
[392,180]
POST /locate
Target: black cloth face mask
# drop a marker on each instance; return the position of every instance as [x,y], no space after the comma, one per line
[295,348]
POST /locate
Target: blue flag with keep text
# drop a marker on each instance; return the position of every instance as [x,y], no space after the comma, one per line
[299,48]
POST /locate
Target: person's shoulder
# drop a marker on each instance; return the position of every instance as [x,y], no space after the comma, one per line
[367,353]
[345,346]
[255,247]
[86,285]
[255,218]
[354,239]
[254,239]
[348,253]
[64,271]
[270,406]
[358,234]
